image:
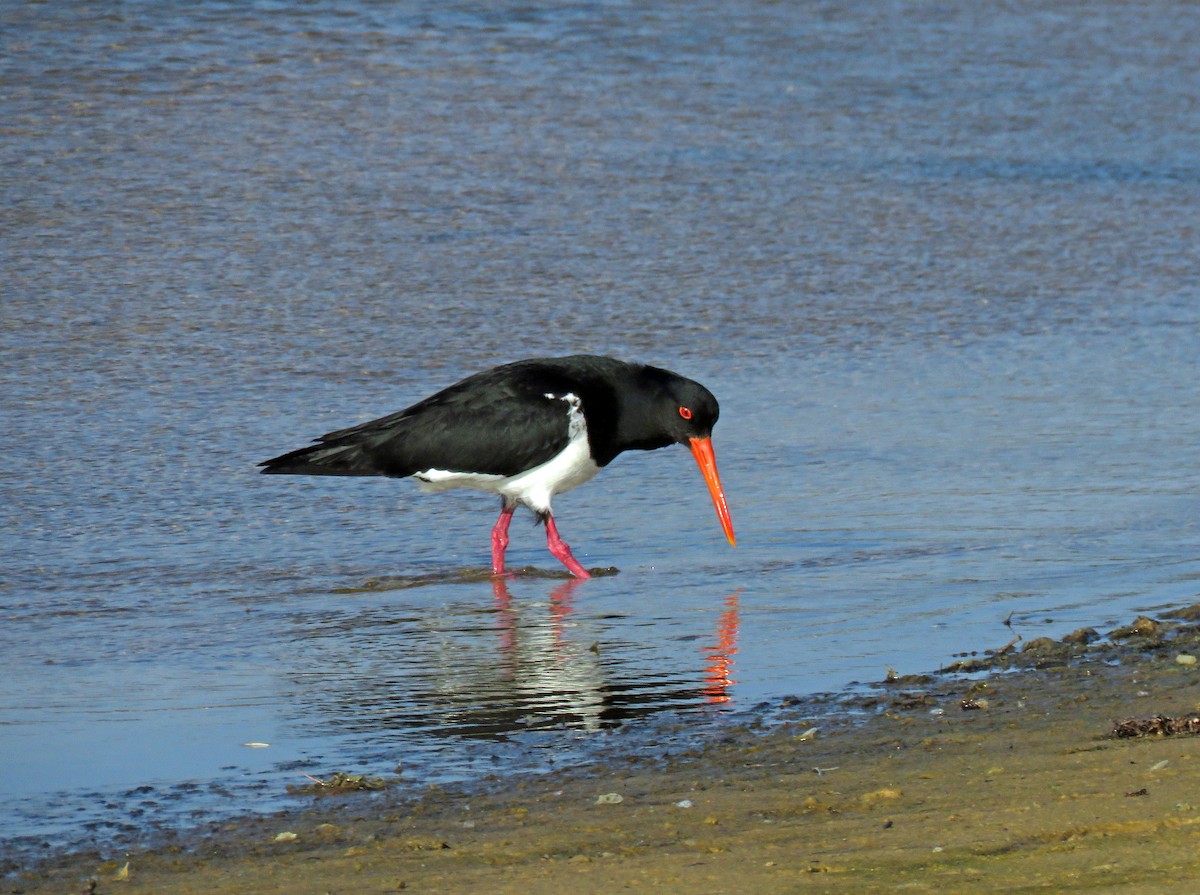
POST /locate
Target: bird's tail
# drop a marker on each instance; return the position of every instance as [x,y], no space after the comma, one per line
[323,459]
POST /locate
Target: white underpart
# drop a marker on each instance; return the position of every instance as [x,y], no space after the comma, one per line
[568,469]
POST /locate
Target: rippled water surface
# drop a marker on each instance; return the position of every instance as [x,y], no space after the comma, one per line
[939,264]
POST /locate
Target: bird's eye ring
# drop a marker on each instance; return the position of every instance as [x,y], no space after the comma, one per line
[685,412]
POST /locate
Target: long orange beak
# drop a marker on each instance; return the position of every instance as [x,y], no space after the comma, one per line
[702,450]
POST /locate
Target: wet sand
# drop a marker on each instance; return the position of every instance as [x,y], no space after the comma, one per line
[1007,779]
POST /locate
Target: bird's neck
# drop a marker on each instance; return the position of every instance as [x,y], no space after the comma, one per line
[637,428]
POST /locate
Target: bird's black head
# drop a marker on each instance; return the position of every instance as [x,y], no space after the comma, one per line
[682,410]
[676,409]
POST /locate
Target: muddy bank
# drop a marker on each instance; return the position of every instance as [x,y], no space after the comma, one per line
[1004,773]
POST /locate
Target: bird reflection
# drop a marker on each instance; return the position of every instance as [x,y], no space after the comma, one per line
[521,664]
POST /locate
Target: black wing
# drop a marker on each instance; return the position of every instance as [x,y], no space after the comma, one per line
[502,422]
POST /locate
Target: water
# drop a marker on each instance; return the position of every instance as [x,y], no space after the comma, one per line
[939,265]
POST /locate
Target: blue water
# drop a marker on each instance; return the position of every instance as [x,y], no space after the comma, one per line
[939,265]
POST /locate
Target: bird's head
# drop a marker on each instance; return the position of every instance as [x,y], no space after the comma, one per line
[685,412]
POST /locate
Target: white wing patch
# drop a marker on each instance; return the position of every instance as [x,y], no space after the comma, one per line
[434,480]
[568,469]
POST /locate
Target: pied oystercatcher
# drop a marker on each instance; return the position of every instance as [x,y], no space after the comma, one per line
[526,431]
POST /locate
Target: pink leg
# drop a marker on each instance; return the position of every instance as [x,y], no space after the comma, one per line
[561,551]
[500,539]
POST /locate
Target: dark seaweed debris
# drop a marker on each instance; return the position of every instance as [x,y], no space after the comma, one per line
[339,783]
[1157,725]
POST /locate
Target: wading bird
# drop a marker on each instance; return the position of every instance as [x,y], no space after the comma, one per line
[527,431]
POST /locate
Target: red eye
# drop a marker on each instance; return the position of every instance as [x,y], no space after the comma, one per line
[685,412]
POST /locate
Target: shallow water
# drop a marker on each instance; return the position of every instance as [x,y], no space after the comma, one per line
[939,266]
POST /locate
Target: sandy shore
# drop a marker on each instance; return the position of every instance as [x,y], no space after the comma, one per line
[1013,782]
